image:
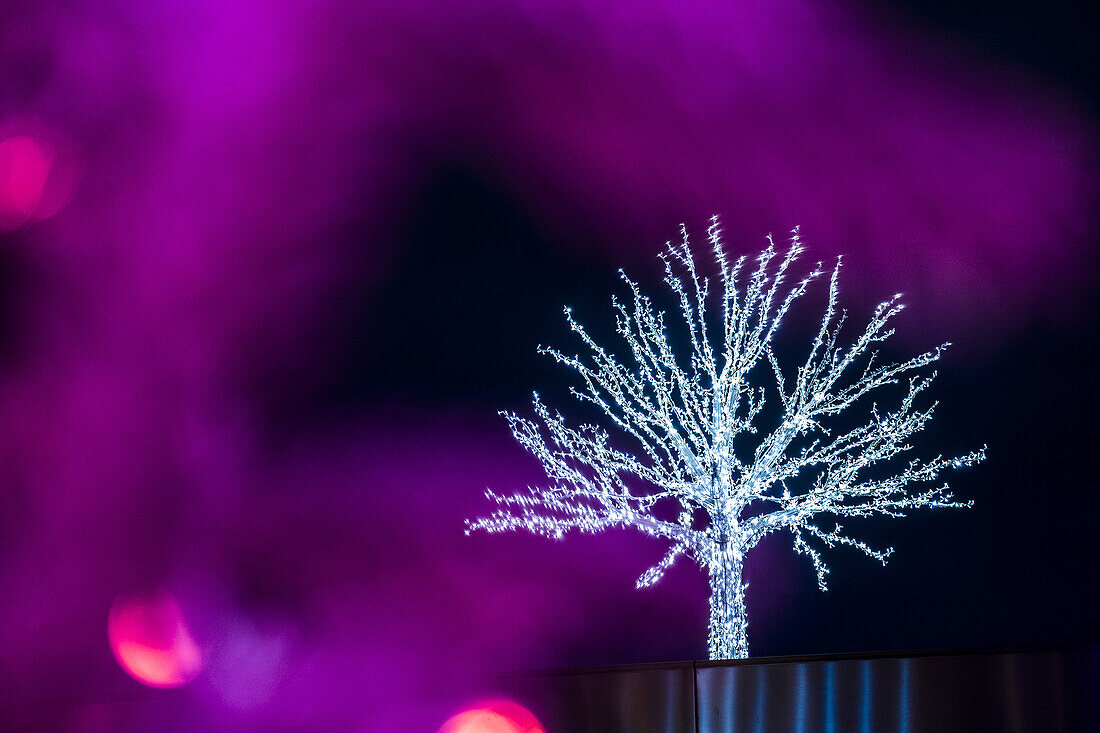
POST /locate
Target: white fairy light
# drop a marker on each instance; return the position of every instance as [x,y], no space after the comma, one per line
[687,413]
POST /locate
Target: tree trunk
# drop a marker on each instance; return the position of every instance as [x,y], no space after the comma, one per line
[728,617]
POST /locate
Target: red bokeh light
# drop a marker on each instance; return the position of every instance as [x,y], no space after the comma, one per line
[36,175]
[498,716]
[151,641]
[25,165]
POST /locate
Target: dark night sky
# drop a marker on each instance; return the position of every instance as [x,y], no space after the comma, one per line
[478,288]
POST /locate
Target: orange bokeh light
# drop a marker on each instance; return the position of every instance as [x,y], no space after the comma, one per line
[498,716]
[151,641]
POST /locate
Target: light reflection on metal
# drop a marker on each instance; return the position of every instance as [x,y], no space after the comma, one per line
[903,698]
[866,681]
[830,698]
[761,700]
[802,694]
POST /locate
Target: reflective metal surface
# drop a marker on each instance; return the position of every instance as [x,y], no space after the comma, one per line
[1048,689]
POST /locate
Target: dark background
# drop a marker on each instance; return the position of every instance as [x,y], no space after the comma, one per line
[289,261]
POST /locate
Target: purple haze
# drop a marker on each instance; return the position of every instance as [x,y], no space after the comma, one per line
[223,150]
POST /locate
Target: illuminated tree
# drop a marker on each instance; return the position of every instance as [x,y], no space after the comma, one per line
[703,443]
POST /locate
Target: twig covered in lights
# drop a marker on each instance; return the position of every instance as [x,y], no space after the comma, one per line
[703,443]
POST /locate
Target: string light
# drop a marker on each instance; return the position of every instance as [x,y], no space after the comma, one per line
[697,423]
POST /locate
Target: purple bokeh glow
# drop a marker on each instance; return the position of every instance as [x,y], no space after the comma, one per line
[225,151]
